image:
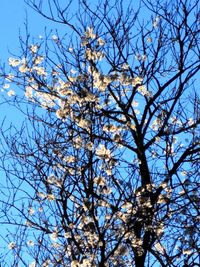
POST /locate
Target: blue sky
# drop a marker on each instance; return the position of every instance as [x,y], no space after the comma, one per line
[13,14]
[12,20]
[12,17]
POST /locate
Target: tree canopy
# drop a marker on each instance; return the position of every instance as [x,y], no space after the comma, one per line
[104,171]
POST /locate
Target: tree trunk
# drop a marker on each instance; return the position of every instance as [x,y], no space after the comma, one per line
[140,260]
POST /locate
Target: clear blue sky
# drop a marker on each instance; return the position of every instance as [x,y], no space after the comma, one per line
[12,17]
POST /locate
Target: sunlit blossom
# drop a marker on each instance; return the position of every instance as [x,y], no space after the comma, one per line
[34,48]
[11,245]
[32,264]
[30,243]
[54,38]
[100,41]
[103,153]
[6,86]
[14,62]
[90,33]
[11,93]
[31,211]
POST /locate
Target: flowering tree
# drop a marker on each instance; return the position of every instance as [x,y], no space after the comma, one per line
[104,172]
